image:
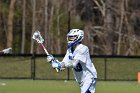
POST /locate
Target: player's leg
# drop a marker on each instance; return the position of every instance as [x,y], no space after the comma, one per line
[88,86]
[88,91]
[92,88]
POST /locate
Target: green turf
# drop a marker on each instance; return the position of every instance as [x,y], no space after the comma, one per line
[47,86]
[38,86]
[118,87]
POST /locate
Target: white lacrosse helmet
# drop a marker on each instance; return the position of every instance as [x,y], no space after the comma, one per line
[74,36]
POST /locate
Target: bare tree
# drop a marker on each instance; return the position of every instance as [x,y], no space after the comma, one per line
[120,27]
[58,43]
[46,21]
[23,26]
[33,24]
[10,24]
[109,24]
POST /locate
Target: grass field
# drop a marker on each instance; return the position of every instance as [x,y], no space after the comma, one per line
[47,86]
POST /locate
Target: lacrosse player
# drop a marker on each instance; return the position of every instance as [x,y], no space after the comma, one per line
[78,58]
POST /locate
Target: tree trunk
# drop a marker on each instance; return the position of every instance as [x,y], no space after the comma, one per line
[50,25]
[46,21]
[109,28]
[58,45]
[33,24]
[23,26]
[10,24]
[120,28]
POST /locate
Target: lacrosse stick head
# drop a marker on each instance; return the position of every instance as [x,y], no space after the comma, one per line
[37,36]
[7,51]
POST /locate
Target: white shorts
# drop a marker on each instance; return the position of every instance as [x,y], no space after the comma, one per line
[88,86]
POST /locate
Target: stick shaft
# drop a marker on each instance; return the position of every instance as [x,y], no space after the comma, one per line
[45,49]
[48,54]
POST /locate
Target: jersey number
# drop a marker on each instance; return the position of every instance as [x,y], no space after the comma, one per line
[78,68]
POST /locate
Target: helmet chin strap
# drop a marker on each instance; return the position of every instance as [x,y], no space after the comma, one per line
[72,44]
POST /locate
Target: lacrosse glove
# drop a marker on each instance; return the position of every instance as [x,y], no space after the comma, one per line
[57,65]
[50,58]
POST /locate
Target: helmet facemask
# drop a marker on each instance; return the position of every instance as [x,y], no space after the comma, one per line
[71,39]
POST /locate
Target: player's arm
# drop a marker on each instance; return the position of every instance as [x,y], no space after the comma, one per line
[61,65]
[80,57]
[70,64]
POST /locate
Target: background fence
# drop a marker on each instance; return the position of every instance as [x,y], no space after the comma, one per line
[32,66]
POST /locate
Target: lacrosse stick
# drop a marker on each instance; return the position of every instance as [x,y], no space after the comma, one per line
[6,51]
[37,36]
